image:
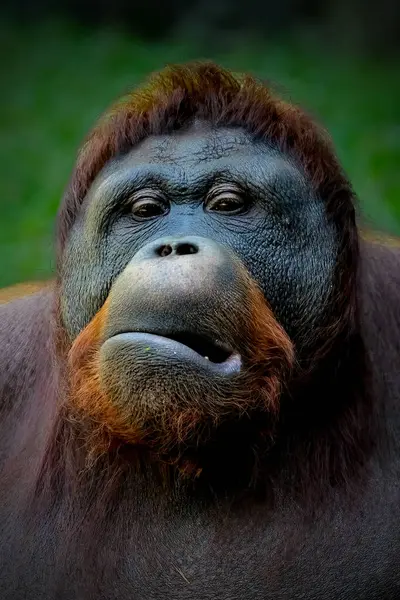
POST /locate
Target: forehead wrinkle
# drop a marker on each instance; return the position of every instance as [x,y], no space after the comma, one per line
[125,176]
[211,147]
[187,160]
[196,144]
[162,149]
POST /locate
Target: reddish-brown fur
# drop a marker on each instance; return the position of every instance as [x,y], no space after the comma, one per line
[21,289]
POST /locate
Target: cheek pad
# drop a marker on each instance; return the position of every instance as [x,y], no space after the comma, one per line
[295,268]
[92,260]
[84,282]
[299,289]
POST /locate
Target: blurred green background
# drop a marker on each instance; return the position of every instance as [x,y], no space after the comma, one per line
[58,76]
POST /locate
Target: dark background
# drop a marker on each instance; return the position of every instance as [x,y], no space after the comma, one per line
[62,63]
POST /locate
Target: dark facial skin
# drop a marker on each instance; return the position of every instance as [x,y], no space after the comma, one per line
[222,186]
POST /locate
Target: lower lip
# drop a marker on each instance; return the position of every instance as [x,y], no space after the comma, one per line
[160,347]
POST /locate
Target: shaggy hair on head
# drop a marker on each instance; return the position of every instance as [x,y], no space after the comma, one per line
[179,94]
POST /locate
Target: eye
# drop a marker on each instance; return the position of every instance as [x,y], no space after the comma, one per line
[227,201]
[148,206]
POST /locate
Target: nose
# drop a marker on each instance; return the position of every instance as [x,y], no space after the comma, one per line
[177,247]
[174,247]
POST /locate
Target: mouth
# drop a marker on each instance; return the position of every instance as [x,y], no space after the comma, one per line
[209,349]
[209,355]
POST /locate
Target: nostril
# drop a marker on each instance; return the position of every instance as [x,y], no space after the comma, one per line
[182,249]
[164,250]
[179,249]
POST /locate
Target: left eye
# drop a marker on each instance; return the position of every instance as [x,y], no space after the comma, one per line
[227,202]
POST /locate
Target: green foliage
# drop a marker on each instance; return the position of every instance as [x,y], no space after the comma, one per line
[57,79]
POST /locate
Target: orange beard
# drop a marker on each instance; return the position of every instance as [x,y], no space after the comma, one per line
[185,418]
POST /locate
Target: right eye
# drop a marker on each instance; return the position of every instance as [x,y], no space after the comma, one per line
[148,207]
